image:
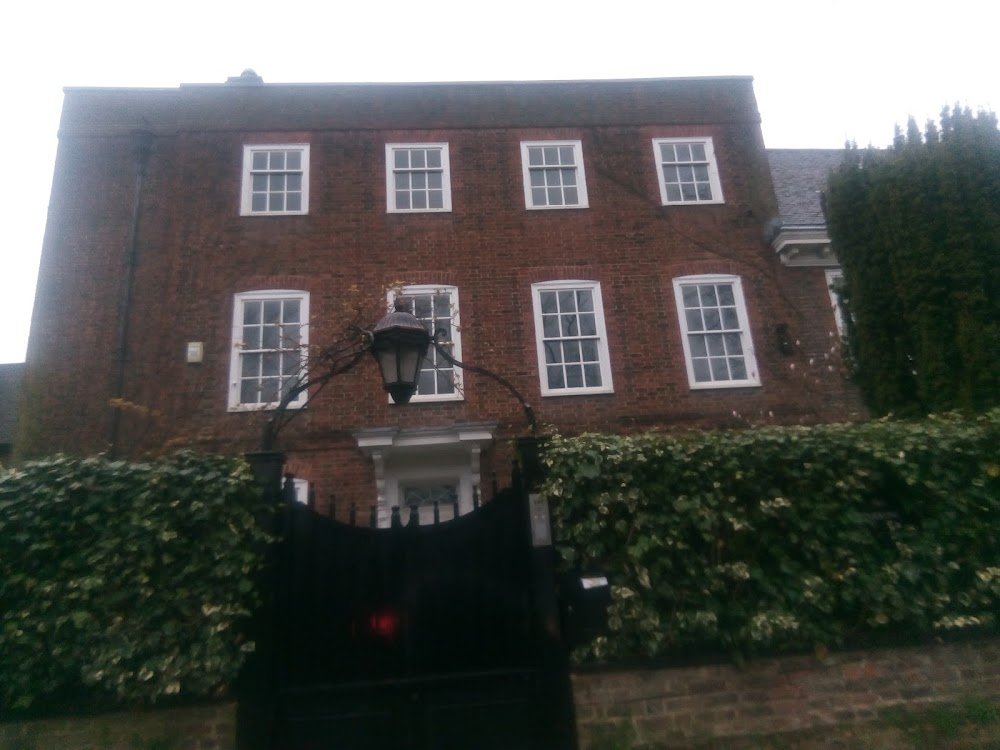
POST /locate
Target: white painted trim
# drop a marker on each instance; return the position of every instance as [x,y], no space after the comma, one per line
[581,177]
[456,338]
[390,192]
[746,340]
[235,368]
[246,190]
[602,337]
[433,455]
[713,170]
[833,275]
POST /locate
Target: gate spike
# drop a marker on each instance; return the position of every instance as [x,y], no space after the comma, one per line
[397,520]
[437,513]
[373,517]
[354,513]
[454,507]
[475,497]
[331,507]
[414,517]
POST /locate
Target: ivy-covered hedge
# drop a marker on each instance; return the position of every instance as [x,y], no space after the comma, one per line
[783,538]
[127,581]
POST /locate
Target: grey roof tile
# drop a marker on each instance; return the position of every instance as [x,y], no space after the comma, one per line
[799,176]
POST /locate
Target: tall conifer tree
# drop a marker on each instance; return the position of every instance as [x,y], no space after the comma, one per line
[917,231]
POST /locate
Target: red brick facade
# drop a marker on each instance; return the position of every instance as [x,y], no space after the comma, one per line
[194,251]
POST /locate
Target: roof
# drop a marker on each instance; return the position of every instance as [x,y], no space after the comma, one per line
[10,383]
[333,106]
[799,176]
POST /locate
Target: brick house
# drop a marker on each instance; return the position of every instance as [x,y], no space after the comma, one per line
[604,245]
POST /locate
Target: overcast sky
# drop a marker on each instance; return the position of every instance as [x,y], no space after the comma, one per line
[824,71]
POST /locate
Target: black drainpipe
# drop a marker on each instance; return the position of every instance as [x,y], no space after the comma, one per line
[142,142]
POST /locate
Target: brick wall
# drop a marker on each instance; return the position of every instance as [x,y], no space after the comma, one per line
[685,706]
[194,728]
[195,252]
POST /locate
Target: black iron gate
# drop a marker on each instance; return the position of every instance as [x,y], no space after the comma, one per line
[416,638]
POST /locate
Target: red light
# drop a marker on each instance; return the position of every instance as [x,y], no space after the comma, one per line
[384,624]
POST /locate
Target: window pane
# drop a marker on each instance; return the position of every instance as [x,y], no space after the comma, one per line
[726,296]
[571,351]
[442,305]
[422,306]
[730,321]
[688,192]
[249,392]
[683,151]
[293,202]
[534,156]
[419,200]
[673,193]
[569,325]
[434,181]
[548,300]
[574,376]
[271,364]
[402,200]
[715,346]
[592,375]
[259,160]
[553,352]
[434,158]
[550,326]
[271,338]
[436,199]
[707,292]
[734,343]
[538,197]
[738,368]
[567,301]
[269,390]
[291,364]
[555,196]
[702,373]
[259,202]
[698,347]
[294,160]
[291,335]
[425,383]
[250,365]
[555,377]
[720,370]
[712,321]
[572,197]
[704,191]
[697,151]
[693,318]
[401,158]
[588,349]
[418,180]
[251,337]
[446,381]
[566,155]
[588,324]
[690,295]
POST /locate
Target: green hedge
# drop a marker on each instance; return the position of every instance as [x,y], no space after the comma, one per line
[128,581]
[783,538]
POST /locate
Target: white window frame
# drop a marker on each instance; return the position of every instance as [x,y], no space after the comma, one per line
[746,342]
[835,276]
[238,348]
[246,193]
[390,174]
[710,162]
[601,337]
[527,169]
[456,336]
